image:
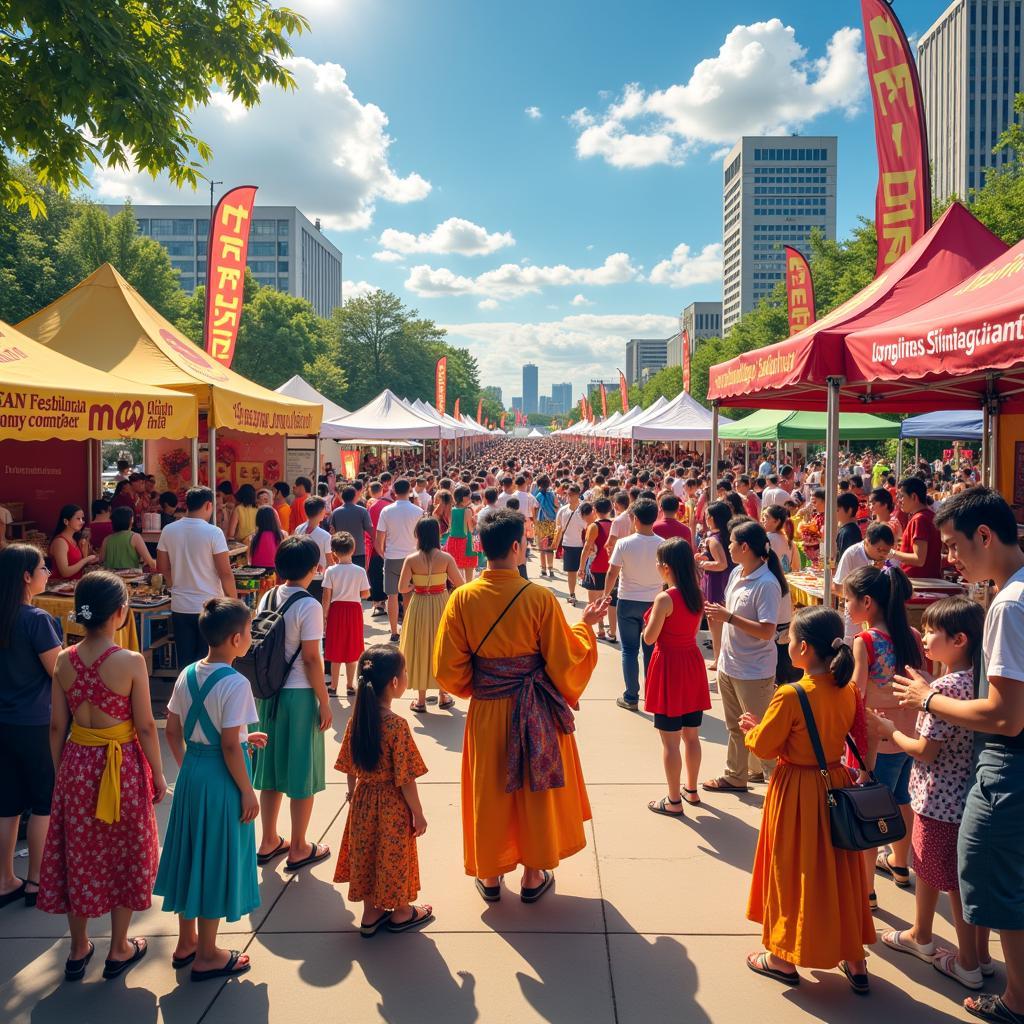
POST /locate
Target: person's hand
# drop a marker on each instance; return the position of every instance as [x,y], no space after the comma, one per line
[747,721]
[159,788]
[250,806]
[258,739]
[326,718]
[419,823]
[863,777]
[912,688]
[716,612]
[92,559]
[594,611]
[881,725]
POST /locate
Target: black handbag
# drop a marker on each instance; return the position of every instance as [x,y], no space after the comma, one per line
[861,817]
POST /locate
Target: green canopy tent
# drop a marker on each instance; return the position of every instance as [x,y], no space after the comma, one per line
[778,425]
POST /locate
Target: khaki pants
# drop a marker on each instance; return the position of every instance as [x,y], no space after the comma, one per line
[739,695]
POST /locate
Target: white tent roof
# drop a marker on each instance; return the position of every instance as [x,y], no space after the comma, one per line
[296,387]
[626,424]
[476,428]
[683,419]
[456,428]
[536,433]
[385,418]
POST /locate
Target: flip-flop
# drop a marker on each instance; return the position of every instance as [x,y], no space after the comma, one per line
[687,793]
[444,705]
[419,709]
[992,1008]
[901,876]
[228,970]
[74,970]
[659,807]
[31,897]
[13,896]
[534,894]
[266,858]
[115,968]
[177,962]
[490,893]
[759,965]
[417,920]
[720,785]
[858,982]
[314,857]
[369,930]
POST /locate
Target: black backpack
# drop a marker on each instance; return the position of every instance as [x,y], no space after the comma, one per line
[265,665]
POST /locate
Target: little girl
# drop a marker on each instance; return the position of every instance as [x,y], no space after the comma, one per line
[345,587]
[101,850]
[263,544]
[943,761]
[380,757]
[676,688]
[460,533]
[878,598]
[443,502]
[208,867]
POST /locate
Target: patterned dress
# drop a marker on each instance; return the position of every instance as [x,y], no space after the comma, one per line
[89,867]
[378,850]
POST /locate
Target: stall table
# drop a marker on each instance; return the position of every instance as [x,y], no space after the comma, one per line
[61,607]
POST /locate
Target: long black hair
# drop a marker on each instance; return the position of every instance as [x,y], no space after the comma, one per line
[377,667]
[267,522]
[428,534]
[66,512]
[15,561]
[755,536]
[890,588]
[677,555]
[822,630]
[720,513]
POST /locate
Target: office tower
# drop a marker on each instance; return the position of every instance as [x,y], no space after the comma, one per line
[776,190]
[517,403]
[286,250]
[969,63]
[544,405]
[529,388]
[561,398]
[644,354]
[493,392]
[701,320]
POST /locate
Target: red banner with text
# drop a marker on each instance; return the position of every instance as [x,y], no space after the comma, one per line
[623,393]
[903,201]
[604,403]
[226,249]
[799,291]
[441,384]
[684,344]
[502,421]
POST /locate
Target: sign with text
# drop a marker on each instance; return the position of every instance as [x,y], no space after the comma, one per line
[799,291]
[623,393]
[225,270]
[441,384]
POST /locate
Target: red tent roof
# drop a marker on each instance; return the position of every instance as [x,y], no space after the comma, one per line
[949,352]
[791,374]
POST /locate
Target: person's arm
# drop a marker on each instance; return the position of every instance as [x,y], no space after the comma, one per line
[233,523]
[59,554]
[918,747]
[717,562]
[163,566]
[313,663]
[379,540]
[588,543]
[455,576]
[860,665]
[142,551]
[60,719]
[1001,712]
[760,630]
[231,748]
[610,579]
[102,554]
[410,794]
[222,563]
[405,577]
[145,724]
[917,557]
[325,600]
[175,736]
[661,610]
[766,738]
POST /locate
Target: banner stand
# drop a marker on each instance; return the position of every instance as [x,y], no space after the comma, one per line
[834,385]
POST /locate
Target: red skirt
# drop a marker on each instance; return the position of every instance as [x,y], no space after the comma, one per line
[462,551]
[934,846]
[344,639]
[676,681]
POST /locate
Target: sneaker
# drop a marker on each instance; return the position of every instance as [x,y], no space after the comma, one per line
[394,638]
[629,705]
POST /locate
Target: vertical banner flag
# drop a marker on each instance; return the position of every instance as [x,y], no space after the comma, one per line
[903,201]
[684,345]
[441,384]
[623,393]
[604,403]
[502,421]
[455,411]
[226,247]
[479,410]
[799,291]
[583,408]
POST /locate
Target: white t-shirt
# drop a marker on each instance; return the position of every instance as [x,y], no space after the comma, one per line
[854,557]
[622,526]
[190,545]
[503,499]
[527,503]
[346,582]
[679,488]
[322,538]
[229,703]
[570,523]
[1003,644]
[398,521]
[756,597]
[303,621]
[424,500]
[774,496]
[637,559]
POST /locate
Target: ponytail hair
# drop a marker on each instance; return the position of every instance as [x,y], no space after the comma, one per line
[377,667]
[822,630]
[755,536]
[890,588]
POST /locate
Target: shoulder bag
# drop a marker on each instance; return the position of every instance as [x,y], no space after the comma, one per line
[861,817]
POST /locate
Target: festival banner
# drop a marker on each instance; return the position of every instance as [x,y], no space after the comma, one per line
[479,410]
[684,344]
[799,291]
[226,248]
[903,201]
[604,403]
[455,411]
[623,393]
[441,384]
[583,408]
[502,421]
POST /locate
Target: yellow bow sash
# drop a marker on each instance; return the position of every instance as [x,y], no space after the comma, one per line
[108,799]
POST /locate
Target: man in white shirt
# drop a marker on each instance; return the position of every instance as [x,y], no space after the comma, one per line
[192,555]
[508,490]
[773,494]
[315,508]
[570,526]
[622,526]
[873,549]
[635,557]
[395,540]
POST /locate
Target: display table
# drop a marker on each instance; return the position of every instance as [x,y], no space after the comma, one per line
[61,607]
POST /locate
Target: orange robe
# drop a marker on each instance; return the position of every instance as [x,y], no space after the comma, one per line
[501,830]
[811,898]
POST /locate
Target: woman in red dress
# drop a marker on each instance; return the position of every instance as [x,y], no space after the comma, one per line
[676,688]
[101,850]
[67,559]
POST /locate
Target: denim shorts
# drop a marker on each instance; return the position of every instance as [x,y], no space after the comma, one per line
[893,770]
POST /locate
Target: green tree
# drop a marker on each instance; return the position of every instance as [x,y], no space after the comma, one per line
[999,203]
[114,83]
[369,329]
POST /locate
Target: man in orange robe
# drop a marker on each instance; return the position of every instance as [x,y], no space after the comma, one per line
[505,642]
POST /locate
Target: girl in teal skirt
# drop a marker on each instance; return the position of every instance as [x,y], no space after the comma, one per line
[208,866]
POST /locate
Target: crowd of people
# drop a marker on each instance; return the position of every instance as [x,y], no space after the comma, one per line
[684,571]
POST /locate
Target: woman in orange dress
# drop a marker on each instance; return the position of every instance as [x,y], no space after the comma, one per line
[378,851]
[810,897]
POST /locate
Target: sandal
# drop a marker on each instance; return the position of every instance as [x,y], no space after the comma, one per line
[858,982]
[31,897]
[758,963]
[661,807]
[722,785]
[688,793]
[490,893]
[178,962]
[14,895]
[898,940]
[444,705]
[612,638]
[420,917]
[266,858]
[316,854]
[420,709]
[229,969]
[872,900]
[115,968]
[946,962]
[901,876]
[992,1008]
[369,930]
[74,970]
[534,894]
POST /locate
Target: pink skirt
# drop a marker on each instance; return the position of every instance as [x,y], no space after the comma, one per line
[462,551]
[934,846]
[344,637]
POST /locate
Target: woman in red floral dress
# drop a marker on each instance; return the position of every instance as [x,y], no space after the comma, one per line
[101,850]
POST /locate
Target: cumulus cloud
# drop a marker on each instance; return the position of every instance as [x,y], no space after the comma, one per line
[270,144]
[454,235]
[762,82]
[512,280]
[488,304]
[533,113]
[684,269]
[388,257]
[357,289]
[581,300]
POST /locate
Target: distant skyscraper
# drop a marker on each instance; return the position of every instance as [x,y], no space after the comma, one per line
[529,388]
[776,190]
[561,398]
[544,405]
[969,63]
[493,392]
[644,354]
[701,320]
[517,403]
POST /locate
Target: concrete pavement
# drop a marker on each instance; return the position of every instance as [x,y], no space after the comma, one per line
[645,924]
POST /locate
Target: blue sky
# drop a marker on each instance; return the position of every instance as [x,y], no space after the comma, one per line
[543,178]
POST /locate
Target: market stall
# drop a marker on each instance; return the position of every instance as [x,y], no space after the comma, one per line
[307,456]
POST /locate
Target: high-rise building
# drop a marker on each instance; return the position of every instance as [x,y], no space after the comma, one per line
[643,354]
[776,191]
[969,63]
[529,388]
[561,398]
[286,250]
[493,392]
[517,403]
[544,405]
[701,320]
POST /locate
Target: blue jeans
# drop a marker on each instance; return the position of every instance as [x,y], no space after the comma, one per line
[631,626]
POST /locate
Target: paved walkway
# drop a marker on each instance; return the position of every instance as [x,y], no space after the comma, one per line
[646,924]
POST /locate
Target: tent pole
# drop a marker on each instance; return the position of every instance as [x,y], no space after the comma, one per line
[90,486]
[984,442]
[993,439]
[316,460]
[899,459]
[440,457]
[714,443]
[831,483]
[213,470]
[746,456]
[195,458]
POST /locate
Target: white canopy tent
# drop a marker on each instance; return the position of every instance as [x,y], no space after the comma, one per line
[385,418]
[450,431]
[683,419]
[627,424]
[297,387]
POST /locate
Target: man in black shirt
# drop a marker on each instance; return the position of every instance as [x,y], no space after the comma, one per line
[849,532]
[353,519]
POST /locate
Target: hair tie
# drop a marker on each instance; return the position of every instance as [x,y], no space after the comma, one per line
[839,643]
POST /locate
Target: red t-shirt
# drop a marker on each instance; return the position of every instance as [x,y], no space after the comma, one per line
[922,527]
[666,528]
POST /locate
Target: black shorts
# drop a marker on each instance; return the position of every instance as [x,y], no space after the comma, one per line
[571,559]
[26,768]
[594,581]
[673,723]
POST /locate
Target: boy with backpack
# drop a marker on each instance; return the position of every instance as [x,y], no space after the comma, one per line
[286,669]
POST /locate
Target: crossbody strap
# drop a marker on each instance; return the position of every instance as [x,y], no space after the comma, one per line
[499,618]
[812,728]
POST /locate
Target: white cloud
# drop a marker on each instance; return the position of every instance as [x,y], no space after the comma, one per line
[762,82]
[533,113]
[271,144]
[581,300]
[488,304]
[388,257]
[454,235]
[684,269]
[357,289]
[512,280]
